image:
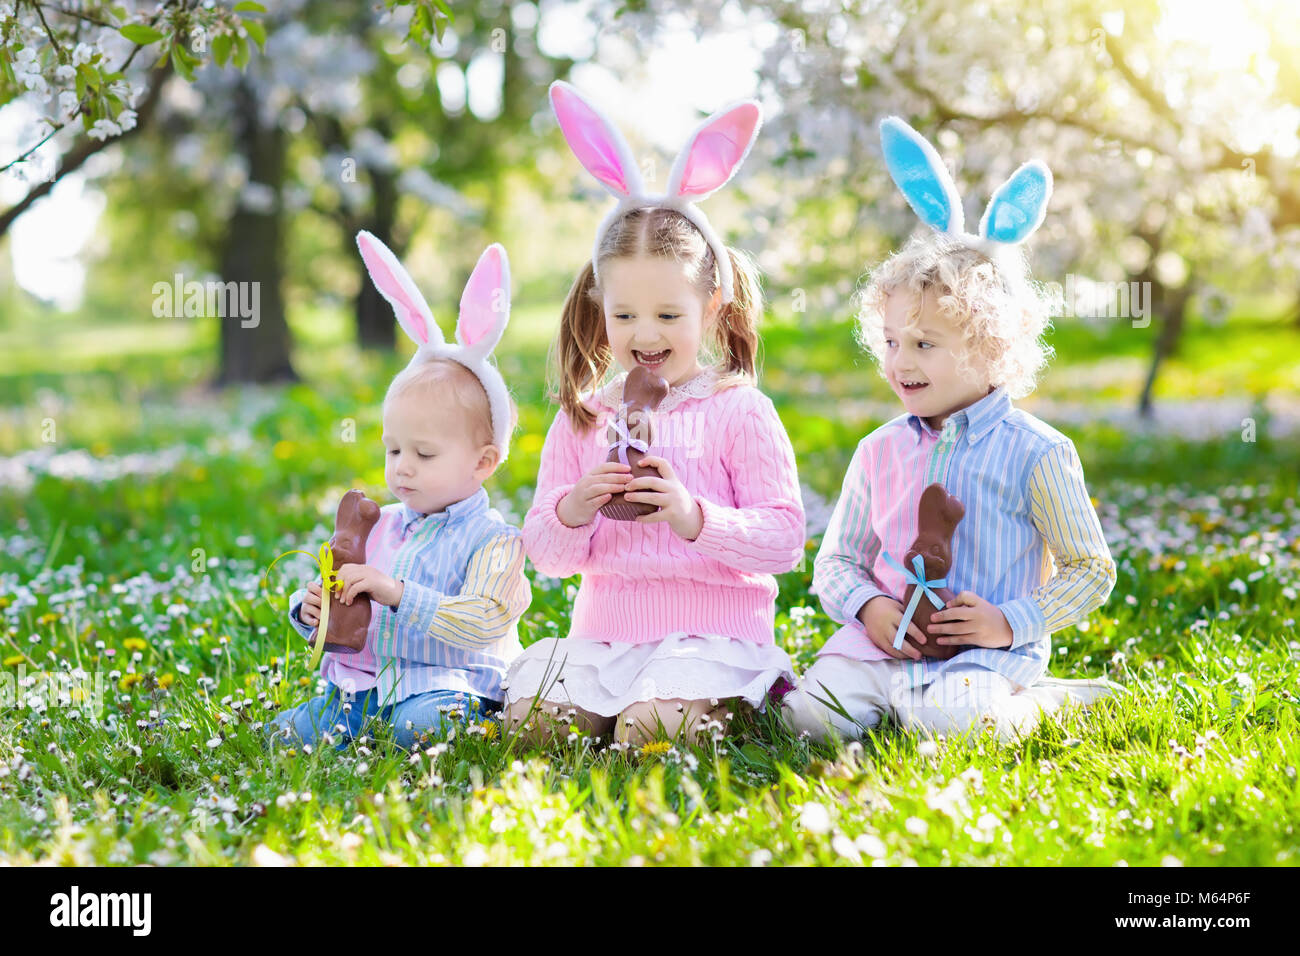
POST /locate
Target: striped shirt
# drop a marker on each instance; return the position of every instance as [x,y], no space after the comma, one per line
[455,627]
[1027,508]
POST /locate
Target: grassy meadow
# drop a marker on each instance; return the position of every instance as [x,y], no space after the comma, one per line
[138,514]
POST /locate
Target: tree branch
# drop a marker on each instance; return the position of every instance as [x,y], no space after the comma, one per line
[60,126]
[85,148]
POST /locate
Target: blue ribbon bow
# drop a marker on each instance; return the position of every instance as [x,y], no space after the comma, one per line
[923,586]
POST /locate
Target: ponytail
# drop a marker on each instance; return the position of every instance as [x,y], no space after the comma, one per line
[737,324]
[580,356]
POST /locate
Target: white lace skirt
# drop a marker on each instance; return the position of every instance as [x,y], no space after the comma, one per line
[606,679]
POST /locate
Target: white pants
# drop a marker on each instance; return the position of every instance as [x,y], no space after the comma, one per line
[964,699]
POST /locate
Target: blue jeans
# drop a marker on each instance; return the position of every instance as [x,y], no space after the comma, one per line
[428,714]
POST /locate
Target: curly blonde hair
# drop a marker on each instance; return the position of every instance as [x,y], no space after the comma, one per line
[1000,313]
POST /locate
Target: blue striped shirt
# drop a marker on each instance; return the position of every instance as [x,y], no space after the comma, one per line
[1030,541]
[455,627]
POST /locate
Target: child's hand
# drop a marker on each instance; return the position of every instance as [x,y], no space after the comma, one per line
[969,619]
[592,492]
[677,506]
[880,616]
[361,579]
[309,611]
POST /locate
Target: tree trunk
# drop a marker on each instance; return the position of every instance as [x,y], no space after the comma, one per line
[1173,312]
[376,326]
[256,348]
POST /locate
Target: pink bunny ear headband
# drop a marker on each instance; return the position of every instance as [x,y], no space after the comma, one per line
[484,312]
[706,163]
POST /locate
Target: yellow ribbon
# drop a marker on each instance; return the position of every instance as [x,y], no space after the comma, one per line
[330,582]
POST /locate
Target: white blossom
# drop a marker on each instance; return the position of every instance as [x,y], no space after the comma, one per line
[102,130]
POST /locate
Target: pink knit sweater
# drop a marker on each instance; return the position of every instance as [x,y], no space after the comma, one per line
[642,582]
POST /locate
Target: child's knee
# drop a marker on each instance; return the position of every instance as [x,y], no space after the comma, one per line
[647,720]
[963,703]
[536,717]
[278,730]
[537,722]
[306,723]
[431,716]
[806,715]
[289,729]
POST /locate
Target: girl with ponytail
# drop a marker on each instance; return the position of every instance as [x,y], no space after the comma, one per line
[673,619]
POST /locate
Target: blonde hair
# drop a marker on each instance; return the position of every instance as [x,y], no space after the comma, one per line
[581,357]
[443,379]
[999,312]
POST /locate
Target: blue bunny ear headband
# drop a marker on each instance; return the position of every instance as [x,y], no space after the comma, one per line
[1015,211]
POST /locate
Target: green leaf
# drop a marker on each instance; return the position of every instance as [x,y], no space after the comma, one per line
[141,34]
[241,52]
[249,5]
[423,22]
[181,66]
[222,44]
[256,31]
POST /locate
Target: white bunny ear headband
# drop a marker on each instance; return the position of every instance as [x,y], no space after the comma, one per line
[1015,211]
[706,163]
[484,312]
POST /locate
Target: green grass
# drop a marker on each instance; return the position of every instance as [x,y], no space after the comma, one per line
[153,581]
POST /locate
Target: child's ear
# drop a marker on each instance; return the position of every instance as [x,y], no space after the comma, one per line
[489,460]
[713,307]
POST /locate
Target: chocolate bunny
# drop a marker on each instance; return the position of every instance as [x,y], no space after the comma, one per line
[937,520]
[630,435]
[348,623]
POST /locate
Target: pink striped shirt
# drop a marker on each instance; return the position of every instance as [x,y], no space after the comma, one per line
[1030,541]
[641,582]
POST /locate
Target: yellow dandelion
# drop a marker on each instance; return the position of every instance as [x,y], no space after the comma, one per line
[134,644]
[166,680]
[656,748]
[14,660]
[304,681]
[4,602]
[48,618]
[129,680]
[490,729]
